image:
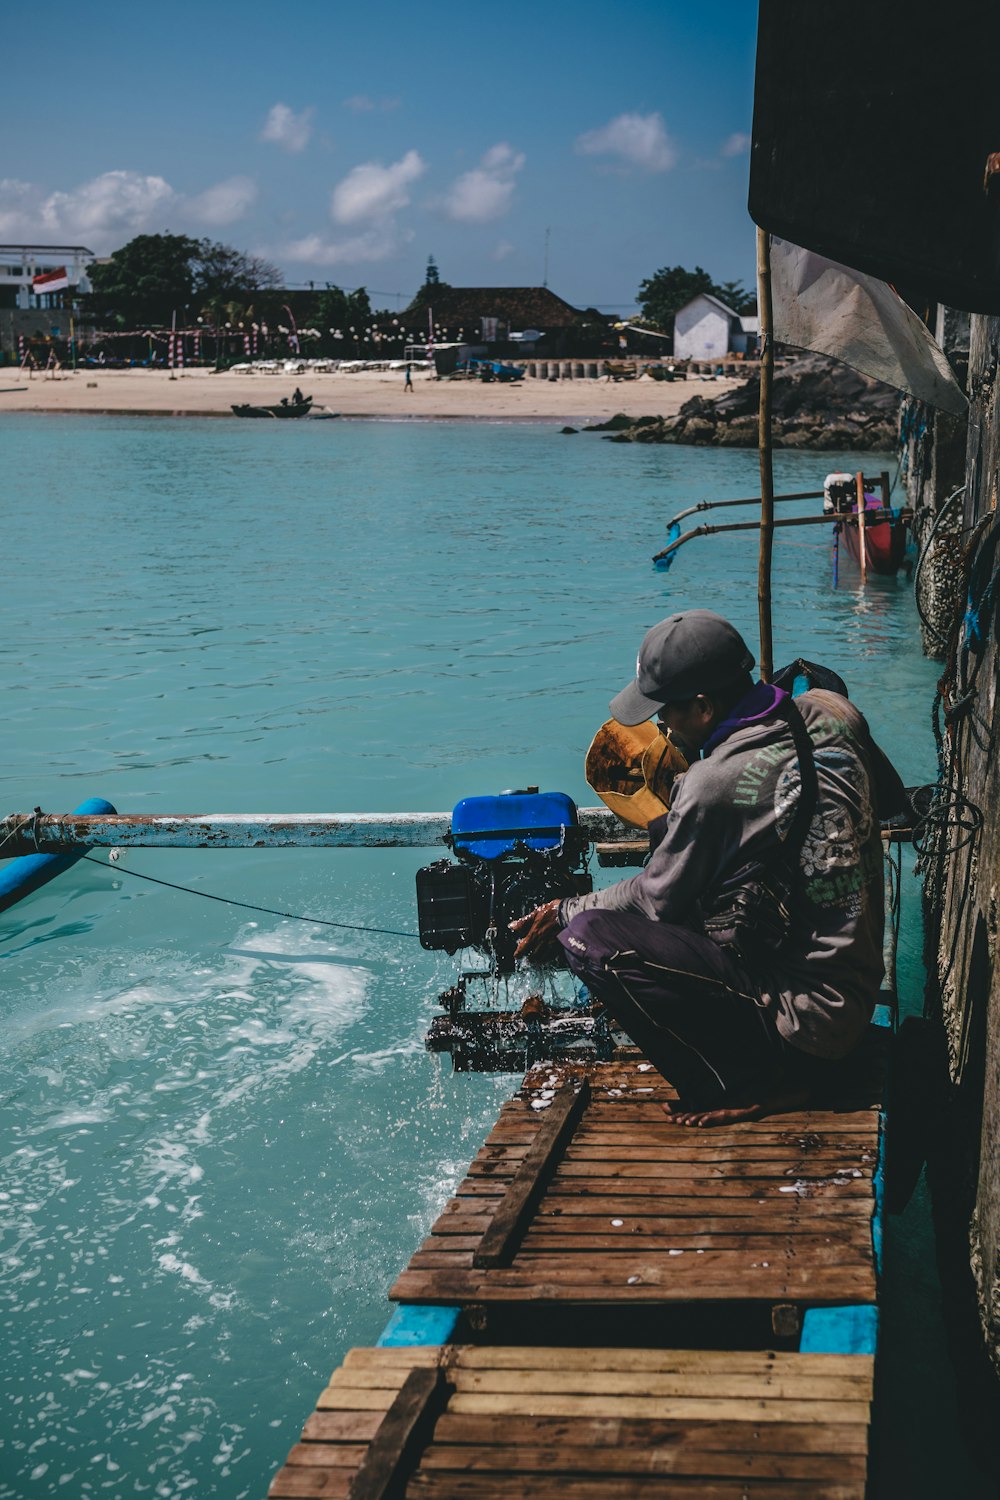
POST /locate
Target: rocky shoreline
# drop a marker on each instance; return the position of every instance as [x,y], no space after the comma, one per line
[817,403]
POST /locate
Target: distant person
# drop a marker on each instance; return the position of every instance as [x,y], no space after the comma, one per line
[297,398]
[408,382]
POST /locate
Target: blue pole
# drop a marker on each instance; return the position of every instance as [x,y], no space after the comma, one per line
[24,875]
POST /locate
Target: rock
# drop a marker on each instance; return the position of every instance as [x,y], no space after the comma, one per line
[816,403]
[618,423]
[699,430]
[568,430]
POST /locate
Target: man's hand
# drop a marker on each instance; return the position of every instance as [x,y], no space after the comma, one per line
[539,930]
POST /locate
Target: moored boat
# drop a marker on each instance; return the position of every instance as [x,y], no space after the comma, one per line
[884,542]
[281,409]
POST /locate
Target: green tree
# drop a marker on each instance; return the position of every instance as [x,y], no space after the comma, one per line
[156,275]
[735,295]
[671,288]
[339,310]
[432,285]
[144,281]
[224,274]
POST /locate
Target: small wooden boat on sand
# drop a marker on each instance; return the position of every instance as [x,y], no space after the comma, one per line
[282,409]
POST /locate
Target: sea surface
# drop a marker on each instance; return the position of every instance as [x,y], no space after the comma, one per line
[220,1133]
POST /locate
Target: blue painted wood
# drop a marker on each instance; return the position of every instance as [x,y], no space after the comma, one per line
[411,1325]
[840,1330]
[24,875]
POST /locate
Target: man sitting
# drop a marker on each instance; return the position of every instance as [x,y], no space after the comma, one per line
[740,1033]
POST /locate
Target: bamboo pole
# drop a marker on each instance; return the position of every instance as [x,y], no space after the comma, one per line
[862,519]
[764,445]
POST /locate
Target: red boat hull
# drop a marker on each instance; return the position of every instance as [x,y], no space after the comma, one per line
[884,545]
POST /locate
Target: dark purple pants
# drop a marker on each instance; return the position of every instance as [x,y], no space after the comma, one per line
[689,1005]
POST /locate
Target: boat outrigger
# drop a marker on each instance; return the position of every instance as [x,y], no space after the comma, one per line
[875,532]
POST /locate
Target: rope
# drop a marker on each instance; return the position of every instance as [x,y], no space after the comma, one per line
[25,823]
[249,905]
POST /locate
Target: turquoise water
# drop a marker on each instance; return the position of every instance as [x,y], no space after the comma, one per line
[221,1136]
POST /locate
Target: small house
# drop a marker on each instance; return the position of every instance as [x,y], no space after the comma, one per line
[706,328]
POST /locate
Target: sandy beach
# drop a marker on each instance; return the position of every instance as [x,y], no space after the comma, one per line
[369,394]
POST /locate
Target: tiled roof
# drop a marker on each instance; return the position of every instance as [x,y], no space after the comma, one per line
[518,306]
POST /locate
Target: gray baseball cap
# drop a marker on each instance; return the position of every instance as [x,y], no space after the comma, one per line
[690,653]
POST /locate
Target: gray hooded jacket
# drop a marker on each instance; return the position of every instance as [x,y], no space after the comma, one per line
[735,806]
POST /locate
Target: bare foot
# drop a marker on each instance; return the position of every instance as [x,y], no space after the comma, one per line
[738,1114]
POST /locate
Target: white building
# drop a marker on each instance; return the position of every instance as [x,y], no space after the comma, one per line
[706,328]
[20,264]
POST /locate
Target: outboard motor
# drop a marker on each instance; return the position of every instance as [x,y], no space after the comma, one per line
[840,494]
[512,852]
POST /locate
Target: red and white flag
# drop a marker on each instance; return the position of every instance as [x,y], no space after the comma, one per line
[50,281]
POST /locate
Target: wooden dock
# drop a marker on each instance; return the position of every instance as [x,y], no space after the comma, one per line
[585,1201]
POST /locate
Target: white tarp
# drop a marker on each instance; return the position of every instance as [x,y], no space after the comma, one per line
[830,309]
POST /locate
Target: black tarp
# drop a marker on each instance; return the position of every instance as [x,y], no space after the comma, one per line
[872,127]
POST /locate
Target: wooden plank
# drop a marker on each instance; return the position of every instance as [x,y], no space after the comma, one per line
[807,1287]
[314,1484]
[822,1169]
[341,1426]
[756,1240]
[656,1459]
[778,1209]
[431,1485]
[327,1455]
[712,1385]
[625,1258]
[543,1357]
[694,1408]
[502,1235]
[405,1357]
[393,1452]
[652,1382]
[759,1438]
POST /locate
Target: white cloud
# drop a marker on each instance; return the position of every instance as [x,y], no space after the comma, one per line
[19,207]
[485,193]
[736,144]
[371,245]
[372,192]
[115,203]
[638,140]
[503,250]
[225,202]
[111,209]
[283,127]
[364,104]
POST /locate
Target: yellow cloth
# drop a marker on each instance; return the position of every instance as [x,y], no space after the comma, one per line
[632,768]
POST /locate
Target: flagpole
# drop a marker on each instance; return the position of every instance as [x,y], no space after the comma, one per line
[764,445]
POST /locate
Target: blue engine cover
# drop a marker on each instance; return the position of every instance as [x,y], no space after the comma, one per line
[533,818]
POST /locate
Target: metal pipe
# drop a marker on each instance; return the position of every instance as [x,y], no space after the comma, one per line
[746,500]
[22,876]
[874,519]
[28,833]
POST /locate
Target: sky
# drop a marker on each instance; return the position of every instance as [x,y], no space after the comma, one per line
[347,143]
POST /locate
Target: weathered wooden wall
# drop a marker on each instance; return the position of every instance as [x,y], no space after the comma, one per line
[962,869]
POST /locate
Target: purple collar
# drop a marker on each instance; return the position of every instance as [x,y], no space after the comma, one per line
[760,703]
